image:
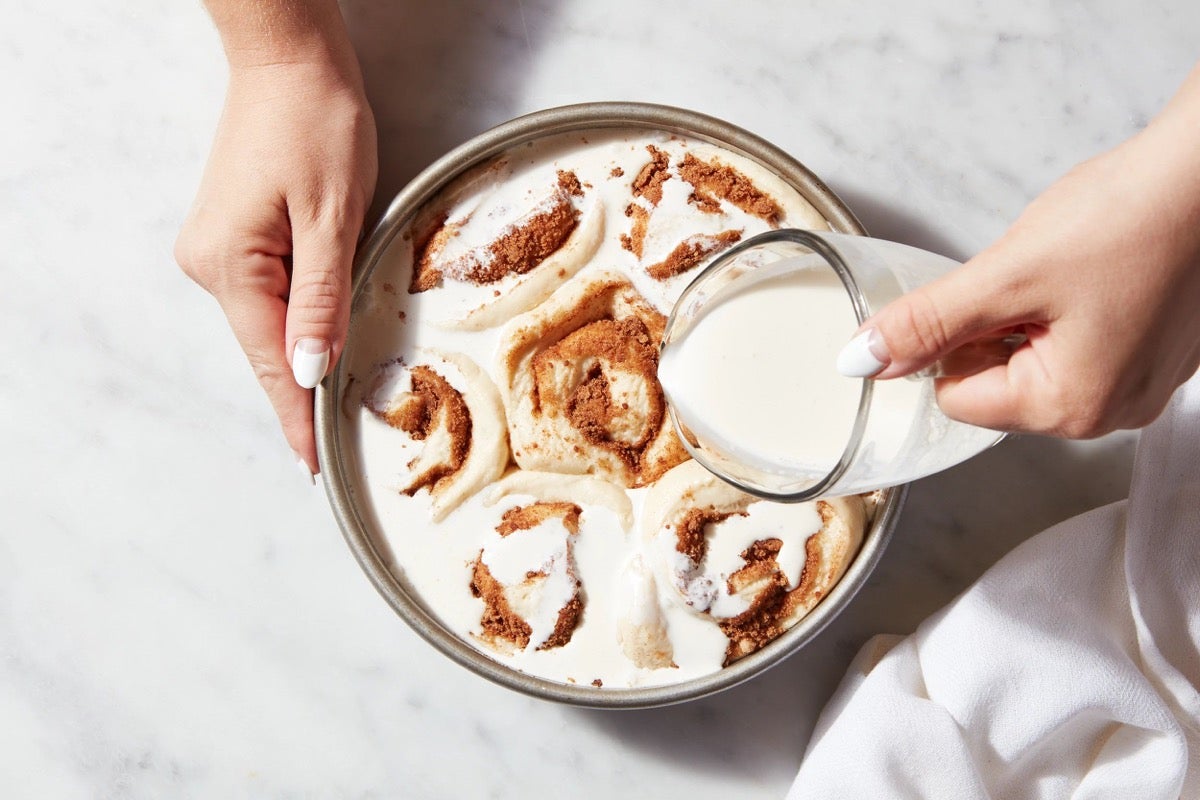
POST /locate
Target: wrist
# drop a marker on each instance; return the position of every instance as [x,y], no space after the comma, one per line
[282,33]
[297,79]
[1166,148]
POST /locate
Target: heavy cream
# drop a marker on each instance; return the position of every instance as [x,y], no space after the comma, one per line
[751,371]
[754,375]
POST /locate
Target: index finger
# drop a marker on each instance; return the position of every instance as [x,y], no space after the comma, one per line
[258,318]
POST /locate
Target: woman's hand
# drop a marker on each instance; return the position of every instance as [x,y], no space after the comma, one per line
[274,225]
[1101,273]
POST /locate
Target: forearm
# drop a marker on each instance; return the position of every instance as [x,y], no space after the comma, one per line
[1166,154]
[259,33]
[1185,105]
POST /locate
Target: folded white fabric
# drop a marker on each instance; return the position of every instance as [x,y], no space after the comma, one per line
[1070,669]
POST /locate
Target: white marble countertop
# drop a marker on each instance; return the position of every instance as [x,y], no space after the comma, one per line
[179,616]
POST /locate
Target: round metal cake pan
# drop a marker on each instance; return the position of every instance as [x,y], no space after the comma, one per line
[363,539]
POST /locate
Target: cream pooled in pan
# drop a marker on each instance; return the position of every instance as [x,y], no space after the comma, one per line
[512,437]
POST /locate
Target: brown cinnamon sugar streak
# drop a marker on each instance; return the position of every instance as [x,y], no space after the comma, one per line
[523,246]
[714,182]
[520,248]
[499,621]
[649,180]
[636,238]
[647,184]
[425,275]
[569,183]
[522,518]
[564,626]
[689,533]
[691,252]
[433,404]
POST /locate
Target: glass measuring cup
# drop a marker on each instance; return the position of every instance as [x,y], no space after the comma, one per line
[755,395]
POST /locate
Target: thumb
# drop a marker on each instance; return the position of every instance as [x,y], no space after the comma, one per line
[318,311]
[929,324]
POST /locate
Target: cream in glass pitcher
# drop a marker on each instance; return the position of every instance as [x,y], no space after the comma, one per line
[748,366]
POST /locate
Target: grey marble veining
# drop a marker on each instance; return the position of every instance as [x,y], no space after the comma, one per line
[178,614]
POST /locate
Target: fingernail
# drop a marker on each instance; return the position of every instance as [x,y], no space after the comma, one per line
[864,355]
[302,465]
[310,360]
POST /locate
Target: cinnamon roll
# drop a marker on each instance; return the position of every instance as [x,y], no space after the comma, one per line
[448,408]
[526,579]
[491,253]
[525,573]
[754,568]
[685,210]
[578,376]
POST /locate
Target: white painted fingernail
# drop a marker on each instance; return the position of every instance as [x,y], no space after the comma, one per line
[302,465]
[863,356]
[310,360]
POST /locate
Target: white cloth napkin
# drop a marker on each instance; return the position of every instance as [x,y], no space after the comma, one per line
[1070,669]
